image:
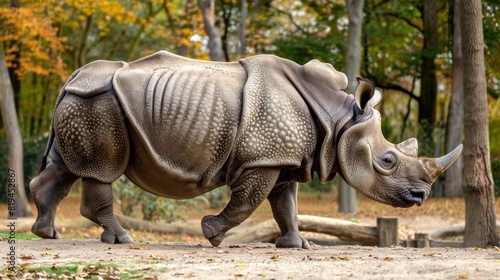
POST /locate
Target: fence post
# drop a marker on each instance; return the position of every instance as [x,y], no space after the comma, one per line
[423,240]
[388,234]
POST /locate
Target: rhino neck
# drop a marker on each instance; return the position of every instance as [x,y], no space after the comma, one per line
[333,111]
[326,162]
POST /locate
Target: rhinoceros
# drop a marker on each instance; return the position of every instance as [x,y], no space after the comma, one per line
[179,127]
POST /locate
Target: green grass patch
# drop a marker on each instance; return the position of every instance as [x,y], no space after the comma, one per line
[19,236]
[58,270]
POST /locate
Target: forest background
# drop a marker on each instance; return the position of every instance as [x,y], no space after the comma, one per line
[45,41]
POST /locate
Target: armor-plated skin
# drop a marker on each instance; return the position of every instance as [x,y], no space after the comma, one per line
[179,128]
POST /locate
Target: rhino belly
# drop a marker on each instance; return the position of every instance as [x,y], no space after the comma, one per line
[183,123]
[145,171]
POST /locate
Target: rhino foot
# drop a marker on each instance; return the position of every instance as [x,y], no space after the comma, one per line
[292,240]
[45,231]
[111,237]
[212,230]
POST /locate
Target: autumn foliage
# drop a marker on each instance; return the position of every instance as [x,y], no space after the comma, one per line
[32,34]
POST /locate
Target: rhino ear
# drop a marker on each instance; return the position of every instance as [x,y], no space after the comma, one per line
[366,95]
[355,157]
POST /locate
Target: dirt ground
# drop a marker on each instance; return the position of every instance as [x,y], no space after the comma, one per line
[199,260]
[80,255]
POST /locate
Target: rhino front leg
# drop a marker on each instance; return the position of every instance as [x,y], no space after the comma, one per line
[48,189]
[283,200]
[97,206]
[248,192]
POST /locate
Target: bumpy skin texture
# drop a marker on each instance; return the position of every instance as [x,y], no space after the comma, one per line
[179,127]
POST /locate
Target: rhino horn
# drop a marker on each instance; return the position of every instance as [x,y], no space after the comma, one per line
[409,147]
[435,166]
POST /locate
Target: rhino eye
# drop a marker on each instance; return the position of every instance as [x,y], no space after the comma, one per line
[387,161]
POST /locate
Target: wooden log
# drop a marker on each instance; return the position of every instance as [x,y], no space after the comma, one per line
[449,231]
[453,230]
[268,231]
[177,228]
[446,244]
[410,243]
[344,230]
[388,234]
[24,225]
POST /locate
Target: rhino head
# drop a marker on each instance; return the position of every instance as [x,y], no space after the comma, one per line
[389,173]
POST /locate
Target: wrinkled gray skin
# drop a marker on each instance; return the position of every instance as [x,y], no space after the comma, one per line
[178,128]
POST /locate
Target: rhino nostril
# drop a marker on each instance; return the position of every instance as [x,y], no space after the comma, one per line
[418,196]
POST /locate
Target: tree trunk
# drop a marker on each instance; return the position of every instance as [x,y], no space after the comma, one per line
[80,53]
[14,140]
[243,24]
[428,89]
[15,80]
[213,31]
[480,221]
[455,130]
[353,61]
[347,195]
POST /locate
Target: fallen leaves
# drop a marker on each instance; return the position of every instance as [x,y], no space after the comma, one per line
[25,257]
[136,247]
[79,272]
[154,258]
[435,255]
[330,258]
[275,257]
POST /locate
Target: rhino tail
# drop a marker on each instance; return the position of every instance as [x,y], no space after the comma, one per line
[43,164]
[50,141]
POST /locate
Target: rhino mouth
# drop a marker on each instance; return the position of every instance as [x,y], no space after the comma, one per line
[415,196]
[410,197]
[403,197]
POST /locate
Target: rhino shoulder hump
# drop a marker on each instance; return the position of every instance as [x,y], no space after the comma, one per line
[93,78]
[324,73]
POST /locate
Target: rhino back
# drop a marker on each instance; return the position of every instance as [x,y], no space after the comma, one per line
[185,116]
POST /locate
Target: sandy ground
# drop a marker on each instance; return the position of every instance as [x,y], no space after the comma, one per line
[92,259]
[156,260]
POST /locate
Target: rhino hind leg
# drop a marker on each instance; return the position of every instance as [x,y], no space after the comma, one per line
[97,206]
[283,200]
[248,192]
[48,189]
